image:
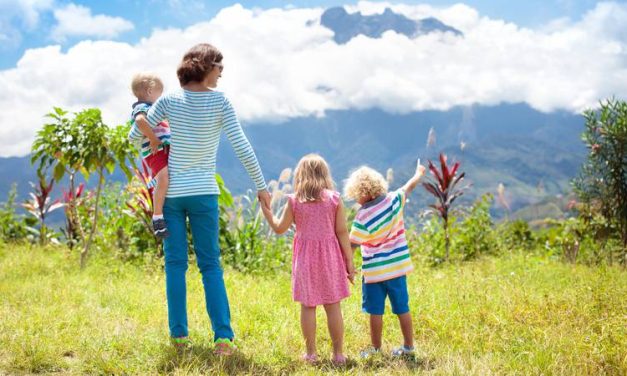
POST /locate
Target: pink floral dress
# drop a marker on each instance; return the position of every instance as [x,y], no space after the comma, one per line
[318,269]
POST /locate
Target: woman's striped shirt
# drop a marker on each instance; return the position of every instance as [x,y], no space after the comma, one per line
[380,231]
[196,120]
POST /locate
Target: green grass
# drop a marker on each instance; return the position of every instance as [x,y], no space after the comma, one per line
[510,315]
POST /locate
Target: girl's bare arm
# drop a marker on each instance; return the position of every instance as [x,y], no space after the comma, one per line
[279,225]
[341,231]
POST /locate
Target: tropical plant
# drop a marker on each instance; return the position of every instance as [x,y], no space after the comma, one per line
[444,187]
[140,207]
[40,204]
[83,144]
[602,181]
[58,146]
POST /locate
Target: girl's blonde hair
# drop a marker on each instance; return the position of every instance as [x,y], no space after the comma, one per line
[311,177]
[365,183]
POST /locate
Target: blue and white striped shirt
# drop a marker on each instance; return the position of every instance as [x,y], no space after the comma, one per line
[196,120]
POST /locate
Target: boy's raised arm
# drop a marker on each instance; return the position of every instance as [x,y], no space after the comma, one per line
[413,181]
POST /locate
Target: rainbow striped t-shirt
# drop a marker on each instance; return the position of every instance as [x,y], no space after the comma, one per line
[380,231]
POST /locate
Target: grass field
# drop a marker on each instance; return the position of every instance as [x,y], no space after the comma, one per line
[511,315]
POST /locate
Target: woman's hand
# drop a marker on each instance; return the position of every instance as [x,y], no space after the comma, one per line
[264,198]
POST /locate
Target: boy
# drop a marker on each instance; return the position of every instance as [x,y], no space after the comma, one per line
[155,143]
[379,230]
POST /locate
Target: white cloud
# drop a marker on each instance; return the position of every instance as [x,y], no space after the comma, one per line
[18,15]
[77,20]
[27,11]
[280,65]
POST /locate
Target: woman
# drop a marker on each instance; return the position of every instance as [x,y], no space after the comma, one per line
[197,115]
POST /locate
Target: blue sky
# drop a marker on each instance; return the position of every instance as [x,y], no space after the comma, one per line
[146,15]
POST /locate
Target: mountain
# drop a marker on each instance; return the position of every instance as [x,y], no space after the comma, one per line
[346,25]
[533,154]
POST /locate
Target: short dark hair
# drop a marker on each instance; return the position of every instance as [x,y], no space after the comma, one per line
[197,63]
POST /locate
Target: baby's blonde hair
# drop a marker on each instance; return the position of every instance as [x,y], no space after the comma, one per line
[365,183]
[143,81]
[311,177]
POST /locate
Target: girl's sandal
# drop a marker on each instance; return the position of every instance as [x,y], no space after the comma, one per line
[339,360]
[310,358]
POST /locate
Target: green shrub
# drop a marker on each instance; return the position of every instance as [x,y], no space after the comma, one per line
[427,239]
[515,235]
[13,227]
[475,235]
[471,231]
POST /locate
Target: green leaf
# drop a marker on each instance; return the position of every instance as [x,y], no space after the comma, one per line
[59,171]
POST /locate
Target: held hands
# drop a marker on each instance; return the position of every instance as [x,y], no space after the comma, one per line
[265,200]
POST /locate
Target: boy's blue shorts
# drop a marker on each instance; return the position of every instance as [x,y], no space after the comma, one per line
[374,294]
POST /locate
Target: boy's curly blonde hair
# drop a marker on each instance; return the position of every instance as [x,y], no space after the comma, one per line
[365,183]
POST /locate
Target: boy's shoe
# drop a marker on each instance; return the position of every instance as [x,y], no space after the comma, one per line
[369,352]
[311,359]
[224,346]
[403,351]
[181,342]
[160,229]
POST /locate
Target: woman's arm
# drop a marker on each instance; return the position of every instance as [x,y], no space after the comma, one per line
[341,231]
[279,225]
[241,145]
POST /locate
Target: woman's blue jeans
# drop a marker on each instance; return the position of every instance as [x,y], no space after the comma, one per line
[202,212]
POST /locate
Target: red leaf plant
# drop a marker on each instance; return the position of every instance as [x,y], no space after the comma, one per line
[444,187]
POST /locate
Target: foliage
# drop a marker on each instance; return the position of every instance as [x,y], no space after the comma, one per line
[13,227]
[444,188]
[82,144]
[245,243]
[40,205]
[515,235]
[139,207]
[575,240]
[475,234]
[602,181]
[427,240]
[471,230]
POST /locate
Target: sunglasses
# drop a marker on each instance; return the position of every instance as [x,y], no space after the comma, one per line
[219,65]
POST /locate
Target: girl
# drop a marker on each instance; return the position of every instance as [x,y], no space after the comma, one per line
[322,258]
